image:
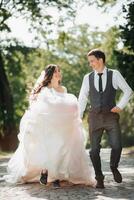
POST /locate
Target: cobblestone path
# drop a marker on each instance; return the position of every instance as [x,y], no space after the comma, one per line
[113,191]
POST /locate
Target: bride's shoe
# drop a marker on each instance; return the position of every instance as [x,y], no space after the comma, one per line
[43,178]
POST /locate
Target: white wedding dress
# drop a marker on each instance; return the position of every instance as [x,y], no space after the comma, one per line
[51,137]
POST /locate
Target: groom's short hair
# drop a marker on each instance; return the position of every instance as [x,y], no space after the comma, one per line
[97,53]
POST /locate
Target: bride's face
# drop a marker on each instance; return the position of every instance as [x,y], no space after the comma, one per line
[57,74]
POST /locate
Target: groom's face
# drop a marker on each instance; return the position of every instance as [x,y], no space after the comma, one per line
[94,62]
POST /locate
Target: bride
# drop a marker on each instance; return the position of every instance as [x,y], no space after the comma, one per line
[51,146]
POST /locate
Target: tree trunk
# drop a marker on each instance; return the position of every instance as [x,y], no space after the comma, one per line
[7,123]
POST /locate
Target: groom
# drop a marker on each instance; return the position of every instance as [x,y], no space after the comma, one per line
[100,88]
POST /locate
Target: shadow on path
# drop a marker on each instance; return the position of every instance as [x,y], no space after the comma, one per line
[112,191]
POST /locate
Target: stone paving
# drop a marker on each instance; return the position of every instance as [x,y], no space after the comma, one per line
[112,191]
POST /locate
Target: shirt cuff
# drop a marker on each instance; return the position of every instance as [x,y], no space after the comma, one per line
[120,106]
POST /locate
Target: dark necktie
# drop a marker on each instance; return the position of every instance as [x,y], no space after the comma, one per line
[100,82]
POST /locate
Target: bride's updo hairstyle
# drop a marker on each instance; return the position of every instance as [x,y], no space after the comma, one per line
[49,71]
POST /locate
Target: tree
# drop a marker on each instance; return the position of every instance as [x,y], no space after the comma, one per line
[7,125]
[125,62]
[72,47]
[125,57]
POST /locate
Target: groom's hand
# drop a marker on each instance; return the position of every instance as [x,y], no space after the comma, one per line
[116,109]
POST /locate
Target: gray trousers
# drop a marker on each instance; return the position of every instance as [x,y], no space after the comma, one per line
[98,122]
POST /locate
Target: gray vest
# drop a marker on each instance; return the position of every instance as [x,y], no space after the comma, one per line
[102,101]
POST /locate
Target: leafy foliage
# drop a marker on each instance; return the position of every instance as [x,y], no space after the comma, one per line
[127,31]
[33,9]
[125,62]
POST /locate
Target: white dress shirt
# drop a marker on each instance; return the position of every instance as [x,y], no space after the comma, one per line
[118,83]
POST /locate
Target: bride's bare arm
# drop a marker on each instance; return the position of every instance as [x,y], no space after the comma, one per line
[62,89]
[65,89]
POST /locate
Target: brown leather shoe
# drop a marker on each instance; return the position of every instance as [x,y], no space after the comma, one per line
[100,184]
[117,175]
